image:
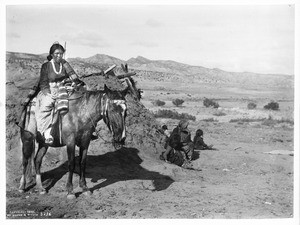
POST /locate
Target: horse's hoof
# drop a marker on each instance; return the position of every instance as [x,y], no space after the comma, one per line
[21,190]
[87,193]
[71,196]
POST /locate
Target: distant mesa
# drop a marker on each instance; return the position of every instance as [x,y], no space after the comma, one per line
[101,58]
[25,64]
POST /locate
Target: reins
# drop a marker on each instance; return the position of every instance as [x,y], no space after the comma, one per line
[70,99]
[103,113]
[78,97]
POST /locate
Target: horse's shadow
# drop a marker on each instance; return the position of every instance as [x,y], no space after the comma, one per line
[120,165]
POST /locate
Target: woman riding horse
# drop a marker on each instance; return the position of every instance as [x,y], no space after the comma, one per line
[53,74]
[77,127]
[84,111]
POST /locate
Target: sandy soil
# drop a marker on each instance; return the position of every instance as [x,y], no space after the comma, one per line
[240,180]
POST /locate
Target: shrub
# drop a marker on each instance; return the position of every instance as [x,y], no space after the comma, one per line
[178,102]
[270,121]
[246,120]
[210,120]
[165,113]
[272,106]
[219,113]
[158,103]
[251,105]
[209,102]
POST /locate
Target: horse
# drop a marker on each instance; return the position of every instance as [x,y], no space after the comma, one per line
[77,126]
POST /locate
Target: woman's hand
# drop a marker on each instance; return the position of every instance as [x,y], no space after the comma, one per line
[53,95]
[78,82]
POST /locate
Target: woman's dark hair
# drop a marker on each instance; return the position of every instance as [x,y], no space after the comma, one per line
[164,127]
[53,48]
[199,132]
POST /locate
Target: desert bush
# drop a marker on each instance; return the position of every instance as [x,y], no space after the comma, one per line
[210,120]
[272,106]
[158,103]
[178,102]
[270,121]
[219,113]
[251,105]
[210,102]
[165,113]
[246,120]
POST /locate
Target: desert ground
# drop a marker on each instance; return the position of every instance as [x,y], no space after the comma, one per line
[250,175]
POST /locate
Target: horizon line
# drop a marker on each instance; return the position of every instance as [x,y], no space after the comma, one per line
[215,68]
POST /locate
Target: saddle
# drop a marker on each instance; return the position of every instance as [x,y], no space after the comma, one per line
[61,108]
[66,93]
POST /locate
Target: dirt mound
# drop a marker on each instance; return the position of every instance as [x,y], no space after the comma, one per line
[141,126]
[14,98]
[140,123]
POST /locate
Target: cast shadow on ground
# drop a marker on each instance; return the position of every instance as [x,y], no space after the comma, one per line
[196,153]
[112,167]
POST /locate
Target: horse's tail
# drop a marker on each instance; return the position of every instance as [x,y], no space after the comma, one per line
[28,153]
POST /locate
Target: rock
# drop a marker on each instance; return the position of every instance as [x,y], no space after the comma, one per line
[281,152]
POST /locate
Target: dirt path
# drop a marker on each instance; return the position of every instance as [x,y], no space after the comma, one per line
[233,182]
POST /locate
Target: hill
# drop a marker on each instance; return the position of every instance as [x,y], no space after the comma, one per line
[23,72]
[22,65]
[168,70]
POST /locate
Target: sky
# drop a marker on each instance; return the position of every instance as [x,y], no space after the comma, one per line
[237,38]
[255,38]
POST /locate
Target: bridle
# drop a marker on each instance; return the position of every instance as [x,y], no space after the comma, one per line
[104,112]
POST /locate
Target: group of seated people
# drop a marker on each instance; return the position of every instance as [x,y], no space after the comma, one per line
[180,146]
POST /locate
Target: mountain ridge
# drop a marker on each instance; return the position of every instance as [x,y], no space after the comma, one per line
[27,64]
[112,59]
[139,59]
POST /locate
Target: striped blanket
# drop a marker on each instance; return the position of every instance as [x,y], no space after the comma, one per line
[63,90]
[62,102]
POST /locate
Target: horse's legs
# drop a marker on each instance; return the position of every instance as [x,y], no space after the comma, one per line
[23,179]
[82,164]
[71,166]
[28,147]
[38,162]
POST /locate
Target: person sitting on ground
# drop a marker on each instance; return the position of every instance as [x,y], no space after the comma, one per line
[175,156]
[180,140]
[199,143]
[165,131]
[186,144]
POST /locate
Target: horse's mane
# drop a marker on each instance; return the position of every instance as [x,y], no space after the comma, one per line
[90,93]
[113,94]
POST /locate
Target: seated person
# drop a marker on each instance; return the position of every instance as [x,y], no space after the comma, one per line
[165,131]
[180,140]
[171,155]
[199,142]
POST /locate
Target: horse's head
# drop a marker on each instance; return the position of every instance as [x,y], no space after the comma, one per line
[114,115]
